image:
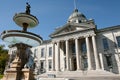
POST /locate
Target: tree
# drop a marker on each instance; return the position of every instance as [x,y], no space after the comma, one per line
[3,58]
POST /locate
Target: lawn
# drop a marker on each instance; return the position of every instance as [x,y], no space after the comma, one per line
[1,76]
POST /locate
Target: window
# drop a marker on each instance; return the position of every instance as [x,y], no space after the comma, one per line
[64,49]
[50,64]
[35,52]
[42,64]
[109,61]
[65,64]
[105,44]
[83,47]
[79,21]
[42,52]
[118,40]
[73,48]
[85,63]
[50,51]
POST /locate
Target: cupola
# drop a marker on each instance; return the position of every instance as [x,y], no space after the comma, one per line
[77,17]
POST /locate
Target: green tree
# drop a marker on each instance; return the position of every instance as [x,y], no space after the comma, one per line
[3,58]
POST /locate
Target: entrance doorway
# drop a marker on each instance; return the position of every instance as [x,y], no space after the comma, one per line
[74,64]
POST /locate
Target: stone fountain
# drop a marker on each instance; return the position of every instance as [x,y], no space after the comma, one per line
[21,66]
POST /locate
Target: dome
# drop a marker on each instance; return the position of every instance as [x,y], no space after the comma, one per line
[77,17]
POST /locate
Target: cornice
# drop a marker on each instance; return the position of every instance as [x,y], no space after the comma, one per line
[108,29]
[72,32]
[74,36]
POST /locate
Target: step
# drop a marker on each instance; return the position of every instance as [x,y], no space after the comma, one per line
[86,78]
[52,79]
[77,74]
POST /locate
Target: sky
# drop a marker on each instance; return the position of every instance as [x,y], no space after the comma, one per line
[55,13]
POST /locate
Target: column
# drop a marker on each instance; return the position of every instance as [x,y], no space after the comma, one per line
[95,53]
[53,56]
[67,55]
[58,56]
[102,61]
[88,53]
[77,53]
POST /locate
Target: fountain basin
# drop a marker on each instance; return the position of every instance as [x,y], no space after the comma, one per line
[15,36]
[21,18]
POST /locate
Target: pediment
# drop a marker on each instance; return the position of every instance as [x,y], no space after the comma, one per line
[69,28]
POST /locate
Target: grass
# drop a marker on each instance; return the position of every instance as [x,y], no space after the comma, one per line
[1,76]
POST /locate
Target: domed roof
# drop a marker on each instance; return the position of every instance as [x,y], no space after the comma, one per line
[77,16]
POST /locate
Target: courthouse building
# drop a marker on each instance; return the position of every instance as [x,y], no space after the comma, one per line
[78,46]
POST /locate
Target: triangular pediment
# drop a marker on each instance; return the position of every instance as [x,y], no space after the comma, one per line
[72,27]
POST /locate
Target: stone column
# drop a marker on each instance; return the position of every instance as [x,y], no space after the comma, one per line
[88,54]
[58,56]
[77,53]
[95,53]
[101,61]
[53,56]
[67,55]
[70,64]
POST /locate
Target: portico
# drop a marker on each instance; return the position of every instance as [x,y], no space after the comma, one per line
[70,51]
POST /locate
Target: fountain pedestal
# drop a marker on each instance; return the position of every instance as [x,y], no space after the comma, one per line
[16,70]
[27,74]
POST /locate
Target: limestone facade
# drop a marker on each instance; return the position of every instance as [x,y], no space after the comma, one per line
[78,45]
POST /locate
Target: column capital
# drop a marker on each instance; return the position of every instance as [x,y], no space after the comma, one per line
[56,41]
[89,35]
[86,36]
[76,38]
[93,35]
[53,42]
[66,39]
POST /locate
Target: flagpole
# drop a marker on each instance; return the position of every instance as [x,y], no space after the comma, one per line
[75,5]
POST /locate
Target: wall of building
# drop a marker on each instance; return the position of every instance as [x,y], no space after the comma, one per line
[110,34]
[113,50]
[45,58]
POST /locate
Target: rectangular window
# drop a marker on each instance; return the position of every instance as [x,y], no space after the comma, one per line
[109,61]
[42,66]
[50,51]
[64,49]
[118,40]
[35,52]
[83,47]
[65,63]
[42,52]
[105,44]
[50,64]
[73,49]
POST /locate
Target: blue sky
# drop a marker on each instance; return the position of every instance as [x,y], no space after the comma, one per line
[54,13]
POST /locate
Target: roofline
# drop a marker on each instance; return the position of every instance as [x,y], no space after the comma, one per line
[52,36]
[108,28]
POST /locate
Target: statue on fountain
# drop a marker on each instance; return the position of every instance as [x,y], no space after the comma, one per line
[28,8]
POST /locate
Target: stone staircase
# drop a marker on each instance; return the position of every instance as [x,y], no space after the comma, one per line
[80,75]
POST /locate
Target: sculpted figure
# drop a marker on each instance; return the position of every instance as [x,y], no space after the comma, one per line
[28,8]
